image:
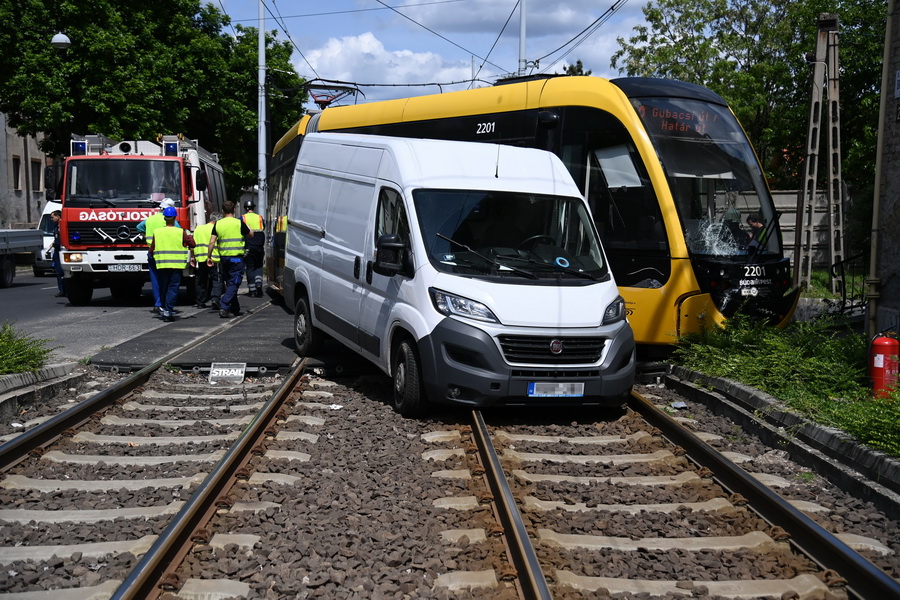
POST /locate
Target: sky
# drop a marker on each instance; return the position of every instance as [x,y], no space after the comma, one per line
[385,46]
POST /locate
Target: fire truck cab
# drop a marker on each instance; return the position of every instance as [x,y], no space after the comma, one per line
[107,188]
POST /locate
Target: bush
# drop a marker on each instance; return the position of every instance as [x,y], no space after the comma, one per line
[20,353]
[816,368]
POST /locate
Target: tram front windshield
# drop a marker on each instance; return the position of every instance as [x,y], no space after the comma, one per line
[722,200]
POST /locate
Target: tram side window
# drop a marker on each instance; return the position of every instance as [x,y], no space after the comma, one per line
[625,207]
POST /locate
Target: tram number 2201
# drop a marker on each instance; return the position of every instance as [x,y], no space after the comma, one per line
[484,128]
[754,271]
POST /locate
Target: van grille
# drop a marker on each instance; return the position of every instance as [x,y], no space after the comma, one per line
[536,349]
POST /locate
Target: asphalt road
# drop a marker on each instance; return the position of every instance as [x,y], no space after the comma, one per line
[77,332]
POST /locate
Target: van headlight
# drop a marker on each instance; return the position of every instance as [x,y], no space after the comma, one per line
[615,312]
[451,305]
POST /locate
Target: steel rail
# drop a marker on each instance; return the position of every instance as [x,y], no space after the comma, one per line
[865,580]
[172,545]
[531,578]
[16,449]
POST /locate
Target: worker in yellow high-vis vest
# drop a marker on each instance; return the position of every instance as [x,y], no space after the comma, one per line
[170,249]
[228,236]
[254,250]
[209,282]
[147,227]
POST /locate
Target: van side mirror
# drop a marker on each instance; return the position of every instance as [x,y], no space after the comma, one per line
[389,255]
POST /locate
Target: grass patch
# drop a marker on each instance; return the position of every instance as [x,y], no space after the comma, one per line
[20,353]
[817,368]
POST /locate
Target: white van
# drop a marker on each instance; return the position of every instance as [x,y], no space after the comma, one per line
[43,259]
[471,273]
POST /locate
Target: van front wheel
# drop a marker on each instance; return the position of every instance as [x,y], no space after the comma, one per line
[409,396]
[307,338]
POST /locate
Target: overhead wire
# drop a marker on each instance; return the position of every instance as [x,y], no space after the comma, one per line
[284,28]
[575,41]
[584,34]
[359,10]
[494,45]
[439,35]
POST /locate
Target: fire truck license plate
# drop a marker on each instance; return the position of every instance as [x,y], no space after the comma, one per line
[125,267]
[543,390]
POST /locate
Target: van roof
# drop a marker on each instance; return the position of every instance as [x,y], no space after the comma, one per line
[444,164]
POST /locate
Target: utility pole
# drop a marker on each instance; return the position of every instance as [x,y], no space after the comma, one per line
[523,63]
[826,78]
[261,129]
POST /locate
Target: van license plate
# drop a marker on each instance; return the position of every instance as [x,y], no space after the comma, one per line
[556,390]
[125,267]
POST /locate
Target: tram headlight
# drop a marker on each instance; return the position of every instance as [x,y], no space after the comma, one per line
[450,304]
[615,312]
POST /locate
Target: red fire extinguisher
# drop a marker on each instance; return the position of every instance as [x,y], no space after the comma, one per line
[884,355]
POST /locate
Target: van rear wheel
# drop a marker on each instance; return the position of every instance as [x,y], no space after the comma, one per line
[307,337]
[409,395]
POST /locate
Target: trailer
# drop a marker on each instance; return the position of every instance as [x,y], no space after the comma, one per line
[12,242]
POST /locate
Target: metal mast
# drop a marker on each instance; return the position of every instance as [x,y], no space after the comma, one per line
[825,71]
[261,130]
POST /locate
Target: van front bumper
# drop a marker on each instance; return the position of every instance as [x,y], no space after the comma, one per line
[462,364]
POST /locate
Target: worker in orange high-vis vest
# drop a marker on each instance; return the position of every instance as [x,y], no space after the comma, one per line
[254,249]
[170,249]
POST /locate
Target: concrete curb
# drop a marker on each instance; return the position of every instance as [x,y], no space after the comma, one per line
[14,381]
[829,452]
[20,389]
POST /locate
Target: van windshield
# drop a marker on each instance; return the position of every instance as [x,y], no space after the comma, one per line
[509,234]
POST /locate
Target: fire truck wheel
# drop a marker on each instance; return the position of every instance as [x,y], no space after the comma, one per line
[126,290]
[7,271]
[78,292]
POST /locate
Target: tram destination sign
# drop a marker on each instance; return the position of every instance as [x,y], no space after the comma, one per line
[227,372]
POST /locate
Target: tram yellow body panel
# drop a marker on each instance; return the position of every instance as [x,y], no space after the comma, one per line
[685,301]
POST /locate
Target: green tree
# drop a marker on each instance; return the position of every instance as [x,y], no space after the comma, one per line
[752,53]
[576,69]
[135,70]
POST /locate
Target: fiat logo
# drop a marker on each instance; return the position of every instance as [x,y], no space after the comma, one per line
[556,347]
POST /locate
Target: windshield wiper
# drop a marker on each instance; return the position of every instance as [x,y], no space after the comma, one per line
[554,267]
[495,262]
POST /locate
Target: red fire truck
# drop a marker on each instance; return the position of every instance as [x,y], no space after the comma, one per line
[108,187]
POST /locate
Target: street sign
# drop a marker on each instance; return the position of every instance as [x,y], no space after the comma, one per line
[227,372]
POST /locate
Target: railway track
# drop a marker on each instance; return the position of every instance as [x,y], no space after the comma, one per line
[715,519]
[111,475]
[304,486]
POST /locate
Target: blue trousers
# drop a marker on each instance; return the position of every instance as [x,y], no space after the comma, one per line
[254,261]
[208,284]
[154,279]
[60,274]
[169,282]
[232,275]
